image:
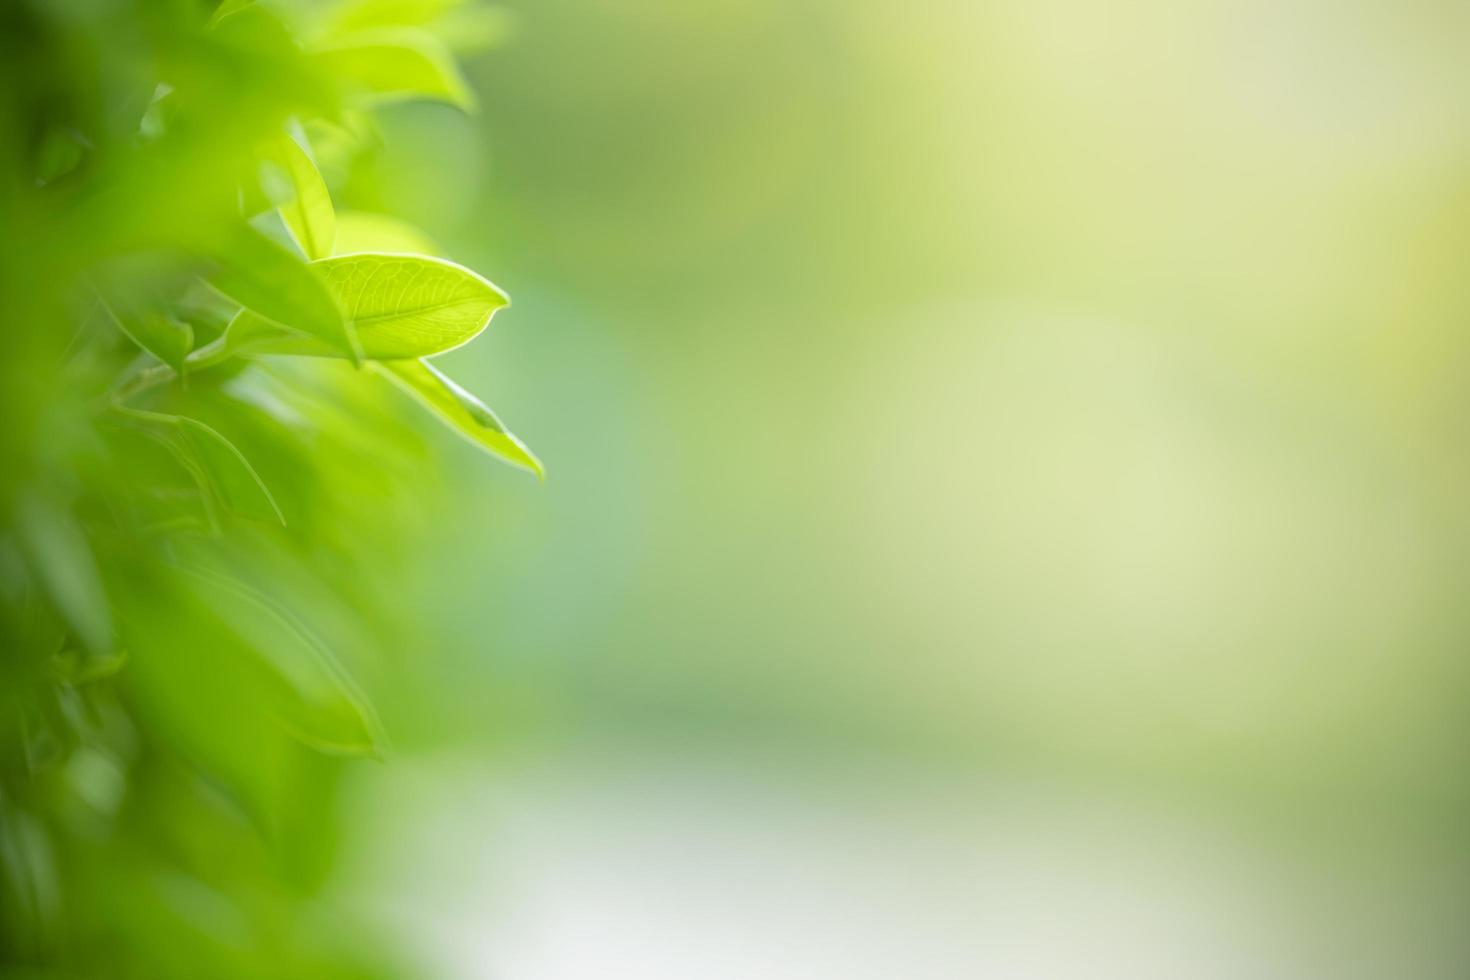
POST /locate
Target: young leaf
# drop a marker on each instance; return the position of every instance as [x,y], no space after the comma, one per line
[401,306]
[307,207]
[393,65]
[275,285]
[463,412]
[57,552]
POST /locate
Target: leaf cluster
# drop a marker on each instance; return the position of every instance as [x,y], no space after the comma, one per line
[211,459]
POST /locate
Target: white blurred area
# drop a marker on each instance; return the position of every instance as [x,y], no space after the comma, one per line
[624,866]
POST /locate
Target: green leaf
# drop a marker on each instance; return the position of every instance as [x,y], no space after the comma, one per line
[462,411]
[277,286]
[165,337]
[319,702]
[232,683]
[58,555]
[394,65]
[235,481]
[400,306]
[306,207]
[212,460]
[366,231]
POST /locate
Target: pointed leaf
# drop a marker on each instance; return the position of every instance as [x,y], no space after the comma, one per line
[306,207]
[462,411]
[401,306]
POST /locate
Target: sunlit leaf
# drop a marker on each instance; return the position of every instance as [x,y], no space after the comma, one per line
[306,206]
[393,65]
[462,411]
[401,306]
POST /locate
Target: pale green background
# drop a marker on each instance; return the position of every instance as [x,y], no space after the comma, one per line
[1007,492]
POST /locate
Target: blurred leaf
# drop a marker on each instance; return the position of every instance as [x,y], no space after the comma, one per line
[401,306]
[202,688]
[58,554]
[393,65]
[463,412]
[365,231]
[233,478]
[324,708]
[307,210]
[70,668]
[277,286]
[164,337]
[214,461]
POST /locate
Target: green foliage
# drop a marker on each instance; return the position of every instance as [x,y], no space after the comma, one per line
[207,466]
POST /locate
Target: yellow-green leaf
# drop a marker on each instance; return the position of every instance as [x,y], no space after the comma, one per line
[307,205]
[462,411]
[400,306]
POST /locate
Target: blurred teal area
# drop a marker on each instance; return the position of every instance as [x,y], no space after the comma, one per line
[962,420]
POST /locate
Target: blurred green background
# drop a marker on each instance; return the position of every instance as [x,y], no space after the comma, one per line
[1006,503]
